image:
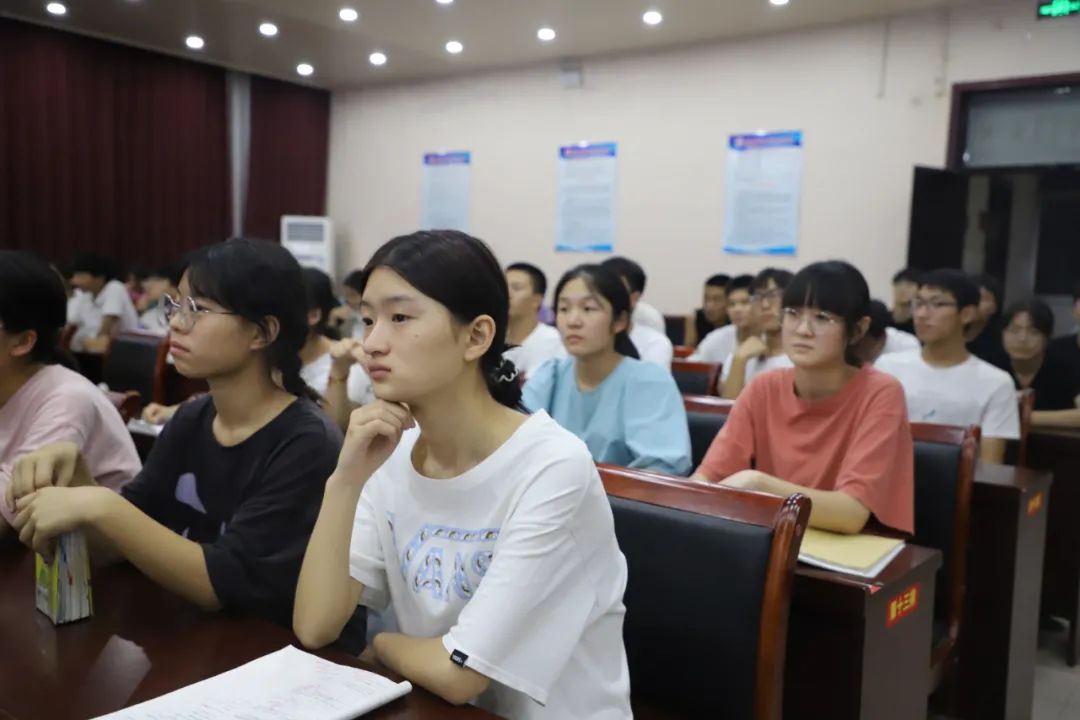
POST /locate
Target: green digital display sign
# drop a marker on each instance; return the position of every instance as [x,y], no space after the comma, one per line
[1057,8]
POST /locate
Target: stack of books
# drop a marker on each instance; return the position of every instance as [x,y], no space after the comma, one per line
[63,585]
[862,555]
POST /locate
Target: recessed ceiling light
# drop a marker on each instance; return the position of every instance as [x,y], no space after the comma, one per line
[445,2]
[377,58]
[454,47]
[268,29]
[653,17]
[545,34]
[304,69]
[194,42]
[779,3]
[55,8]
[348,14]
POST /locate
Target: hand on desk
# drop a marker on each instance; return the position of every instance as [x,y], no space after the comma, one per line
[57,464]
[156,414]
[96,345]
[50,512]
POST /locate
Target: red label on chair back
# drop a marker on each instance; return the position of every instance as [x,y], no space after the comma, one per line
[903,605]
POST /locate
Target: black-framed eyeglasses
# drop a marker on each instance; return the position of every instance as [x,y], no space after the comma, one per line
[186,311]
[935,305]
[772,296]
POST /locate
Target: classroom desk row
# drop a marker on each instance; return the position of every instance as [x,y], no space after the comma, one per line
[141,642]
[867,641]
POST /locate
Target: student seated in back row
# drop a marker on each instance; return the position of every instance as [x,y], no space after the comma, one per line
[763,349]
[826,428]
[485,529]
[880,338]
[223,509]
[41,401]
[1037,366]
[531,342]
[720,343]
[943,382]
[712,315]
[103,309]
[627,411]
[652,342]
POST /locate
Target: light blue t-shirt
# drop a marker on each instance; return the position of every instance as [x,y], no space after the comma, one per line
[635,418]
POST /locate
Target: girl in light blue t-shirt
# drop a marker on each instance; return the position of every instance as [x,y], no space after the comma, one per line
[628,412]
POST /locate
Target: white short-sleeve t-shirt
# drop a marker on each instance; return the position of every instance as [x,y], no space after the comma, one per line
[755,366]
[645,314]
[514,564]
[317,376]
[899,341]
[716,346]
[113,300]
[543,343]
[971,393]
[652,346]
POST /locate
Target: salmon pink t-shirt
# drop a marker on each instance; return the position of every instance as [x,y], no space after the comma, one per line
[857,442]
[57,405]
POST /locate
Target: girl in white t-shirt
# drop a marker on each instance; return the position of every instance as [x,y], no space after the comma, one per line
[487,530]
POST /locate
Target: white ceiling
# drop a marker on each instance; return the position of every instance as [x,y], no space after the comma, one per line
[413,33]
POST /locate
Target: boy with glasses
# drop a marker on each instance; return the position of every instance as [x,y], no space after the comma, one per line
[944,383]
[763,350]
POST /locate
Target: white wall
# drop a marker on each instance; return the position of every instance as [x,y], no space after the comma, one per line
[671,114]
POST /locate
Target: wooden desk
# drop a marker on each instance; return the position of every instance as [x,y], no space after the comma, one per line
[142,642]
[845,659]
[999,636]
[1059,452]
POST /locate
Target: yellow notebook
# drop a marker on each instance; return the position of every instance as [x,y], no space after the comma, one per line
[863,555]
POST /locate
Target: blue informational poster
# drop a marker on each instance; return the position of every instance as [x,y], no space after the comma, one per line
[446,191]
[586,221]
[764,178]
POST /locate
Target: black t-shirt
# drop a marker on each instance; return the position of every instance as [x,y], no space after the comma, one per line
[989,346]
[702,324]
[251,506]
[1061,369]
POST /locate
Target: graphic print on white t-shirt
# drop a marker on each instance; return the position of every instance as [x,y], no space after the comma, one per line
[478,559]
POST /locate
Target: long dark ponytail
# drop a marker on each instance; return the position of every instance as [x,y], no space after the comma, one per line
[257,279]
[606,284]
[461,273]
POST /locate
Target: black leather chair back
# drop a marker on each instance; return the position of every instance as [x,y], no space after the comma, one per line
[693,608]
[937,478]
[691,383]
[704,426]
[130,365]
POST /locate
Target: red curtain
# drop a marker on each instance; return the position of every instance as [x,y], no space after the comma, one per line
[109,148]
[290,138]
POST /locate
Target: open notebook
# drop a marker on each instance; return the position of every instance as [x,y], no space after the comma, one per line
[862,555]
[289,684]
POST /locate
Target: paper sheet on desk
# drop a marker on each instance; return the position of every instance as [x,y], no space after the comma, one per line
[286,685]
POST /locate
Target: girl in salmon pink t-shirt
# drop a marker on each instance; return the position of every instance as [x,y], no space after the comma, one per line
[827,428]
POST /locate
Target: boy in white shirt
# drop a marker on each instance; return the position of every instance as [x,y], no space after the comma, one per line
[946,384]
[762,350]
[717,345]
[651,342]
[881,339]
[107,311]
[532,342]
[643,314]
